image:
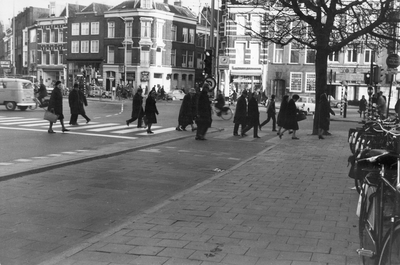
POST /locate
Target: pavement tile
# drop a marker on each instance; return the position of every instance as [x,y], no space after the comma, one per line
[176,252]
[240,259]
[146,250]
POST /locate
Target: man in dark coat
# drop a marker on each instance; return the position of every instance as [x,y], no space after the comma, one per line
[76,101]
[324,115]
[137,109]
[291,117]
[203,111]
[56,106]
[240,117]
[187,111]
[150,111]
[271,112]
[253,116]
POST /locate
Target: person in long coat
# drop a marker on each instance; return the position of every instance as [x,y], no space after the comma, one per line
[271,112]
[253,117]
[137,109]
[150,111]
[56,106]
[282,113]
[324,115]
[290,122]
[240,117]
[77,100]
[203,113]
[187,111]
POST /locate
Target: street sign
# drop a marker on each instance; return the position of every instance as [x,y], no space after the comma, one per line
[211,82]
[5,64]
[393,60]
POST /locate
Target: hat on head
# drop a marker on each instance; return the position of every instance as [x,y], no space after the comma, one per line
[192,90]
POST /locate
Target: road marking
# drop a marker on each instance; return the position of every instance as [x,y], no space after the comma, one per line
[16,121]
[23,160]
[83,127]
[158,131]
[21,122]
[134,130]
[36,124]
[108,128]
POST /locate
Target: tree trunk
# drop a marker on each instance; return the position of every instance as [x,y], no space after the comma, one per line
[321,70]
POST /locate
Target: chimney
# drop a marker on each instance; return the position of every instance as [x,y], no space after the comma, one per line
[178,3]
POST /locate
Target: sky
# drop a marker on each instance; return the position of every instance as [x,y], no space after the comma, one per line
[10,8]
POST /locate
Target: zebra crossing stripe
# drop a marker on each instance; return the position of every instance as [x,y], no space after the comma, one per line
[158,131]
[16,121]
[26,121]
[83,127]
[108,128]
[134,130]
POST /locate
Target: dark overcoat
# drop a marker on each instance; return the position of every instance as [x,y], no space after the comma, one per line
[150,110]
[137,108]
[253,112]
[241,111]
[290,122]
[204,108]
[186,112]
[56,103]
[324,114]
[76,101]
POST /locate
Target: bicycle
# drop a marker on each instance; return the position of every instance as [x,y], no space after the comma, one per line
[378,207]
[226,113]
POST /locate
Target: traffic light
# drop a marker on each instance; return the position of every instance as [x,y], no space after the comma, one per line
[367,78]
[208,62]
[378,74]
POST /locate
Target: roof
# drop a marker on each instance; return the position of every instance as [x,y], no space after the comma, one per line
[97,8]
[135,4]
[72,10]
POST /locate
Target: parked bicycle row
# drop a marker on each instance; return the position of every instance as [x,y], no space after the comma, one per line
[375,164]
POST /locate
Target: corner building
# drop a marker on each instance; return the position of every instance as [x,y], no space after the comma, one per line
[149,44]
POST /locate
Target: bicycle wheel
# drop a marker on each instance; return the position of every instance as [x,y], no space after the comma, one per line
[368,217]
[391,252]
[226,114]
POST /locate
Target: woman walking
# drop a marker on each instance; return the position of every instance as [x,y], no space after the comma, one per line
[56,106]
[76,100]
[150,111]
[290,117]
[203,111]
[282,113]
[253,118]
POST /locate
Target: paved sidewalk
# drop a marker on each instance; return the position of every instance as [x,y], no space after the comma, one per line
[290,204]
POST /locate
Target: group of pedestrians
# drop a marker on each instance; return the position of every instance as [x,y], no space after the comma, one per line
[76,100]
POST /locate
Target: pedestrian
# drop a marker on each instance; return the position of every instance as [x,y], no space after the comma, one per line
[240,117]
[362,107]
[203,113]
[381,105]
[77,100]
[253,117]
[220,103]
[282,113]
[150,111]
[271,113]
[290,122]
[137,108]
[41,94]
[324,119]
[56,106]
[187,111]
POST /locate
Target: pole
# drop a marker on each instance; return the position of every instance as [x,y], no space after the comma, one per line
[217,75]
[390,94]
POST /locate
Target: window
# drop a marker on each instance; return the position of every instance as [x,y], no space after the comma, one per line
[52,36]
[295,82]
[173,30]
[145,4]
[256,23]
[240,26]
[94,46]
[75,29]
[159,57]
[128,57]
[173,57]
[60,58]
[294,53]
[94,28]
[128,30]
[32,56]
[278,55]
[111,30]
[190,59]
[44,58]
[310,56]
[240,51]
[191,36]
[74,46]
[333,57]
[310,82]
[85,46]
[85,28]
[160,30]
[145,29]
[32,36]
[254,53]
[185,35]
[184,59]
[60,35]
[145,57]
[351,55]
[110,54]
[53,57]
[200,60]
[368,55]
[44,36]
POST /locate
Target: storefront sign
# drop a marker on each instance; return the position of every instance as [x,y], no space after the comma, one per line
[5,64]
[144,76]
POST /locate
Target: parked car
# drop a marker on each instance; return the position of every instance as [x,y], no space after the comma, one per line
[176,95]
[306,104]
[334,102]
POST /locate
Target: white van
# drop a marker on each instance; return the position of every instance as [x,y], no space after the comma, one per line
[16,93]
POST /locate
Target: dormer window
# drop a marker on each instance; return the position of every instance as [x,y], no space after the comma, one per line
[146,4]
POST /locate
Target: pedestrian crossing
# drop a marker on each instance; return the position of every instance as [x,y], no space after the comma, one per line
[113,130]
